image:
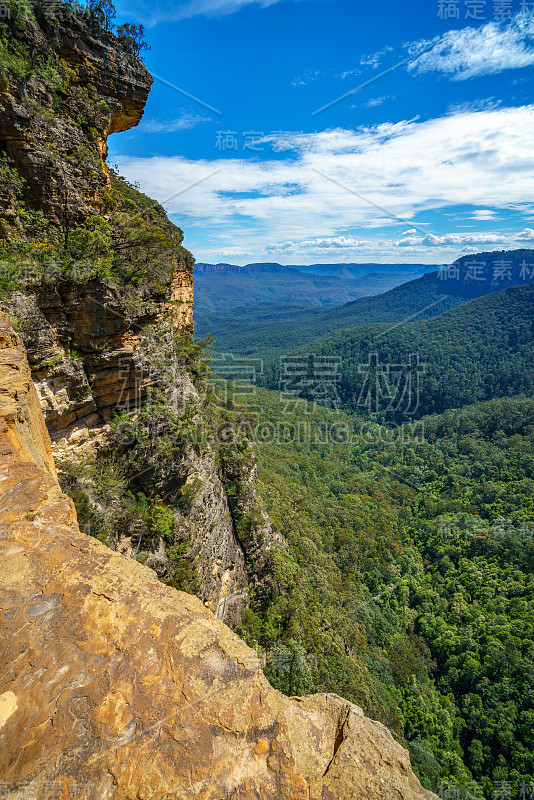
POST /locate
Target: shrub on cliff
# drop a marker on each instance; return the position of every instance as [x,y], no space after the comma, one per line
[288,669]
[131,243]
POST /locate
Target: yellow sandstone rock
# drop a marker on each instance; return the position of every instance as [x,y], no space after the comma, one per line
[114,686]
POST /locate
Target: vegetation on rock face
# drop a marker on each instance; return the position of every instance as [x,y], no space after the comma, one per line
[129,35]
[144,488]
[86,222]
[130,243]
[100,12]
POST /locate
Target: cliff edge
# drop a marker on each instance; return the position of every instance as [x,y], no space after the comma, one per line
[113,685]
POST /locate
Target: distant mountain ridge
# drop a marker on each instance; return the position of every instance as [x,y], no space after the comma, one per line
[244,270]
[221,288]
[479,274]
[475,352]
[357,270]
[421,298]
[325,270]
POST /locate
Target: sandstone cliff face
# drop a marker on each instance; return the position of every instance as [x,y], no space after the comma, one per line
[81,341]
[115,687]
[22,423]
[82,334]
[83,347]
[54,121]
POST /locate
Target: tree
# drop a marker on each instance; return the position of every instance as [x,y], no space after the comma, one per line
[289,671]
[131,36]
[103,11]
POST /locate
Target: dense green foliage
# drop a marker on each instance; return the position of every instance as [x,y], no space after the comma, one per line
[268,334]
[408,580]
[130,243]
[289,670]
[477,351]
[100,12]
[475,477]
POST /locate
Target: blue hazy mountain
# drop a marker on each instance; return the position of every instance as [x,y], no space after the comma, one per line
[269,330]
[220,287]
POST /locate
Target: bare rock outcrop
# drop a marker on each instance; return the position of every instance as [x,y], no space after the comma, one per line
[54,123]
[113,686]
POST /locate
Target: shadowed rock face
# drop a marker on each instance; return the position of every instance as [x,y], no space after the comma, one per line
[115,686]
[79,396]
[54,125]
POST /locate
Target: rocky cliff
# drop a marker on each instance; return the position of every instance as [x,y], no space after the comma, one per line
[90,265]
[115,686]
[66,84]
[92,356]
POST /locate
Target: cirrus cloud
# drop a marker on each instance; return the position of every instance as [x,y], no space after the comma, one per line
[152,13]
[472,52]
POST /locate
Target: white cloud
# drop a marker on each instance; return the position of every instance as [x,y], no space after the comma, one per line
[483,104]
[410,232]
[233,252]
[471,52]
[315,245]
[151,13]
[350,73]
[185,122]
[483,160]
[481,214]
[470,240]
[374,59]
[306,78]
[377,101]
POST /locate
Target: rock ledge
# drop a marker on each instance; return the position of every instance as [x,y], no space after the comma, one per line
[114,686]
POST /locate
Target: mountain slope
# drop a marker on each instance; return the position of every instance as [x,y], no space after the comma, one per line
[221,287]
[423,298]
[477,351]
[410,576]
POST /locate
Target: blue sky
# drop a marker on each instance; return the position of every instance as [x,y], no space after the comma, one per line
[427,162]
